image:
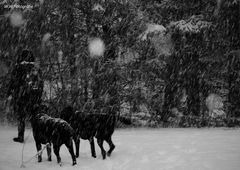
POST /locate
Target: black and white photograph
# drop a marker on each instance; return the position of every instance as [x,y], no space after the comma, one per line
[120,84]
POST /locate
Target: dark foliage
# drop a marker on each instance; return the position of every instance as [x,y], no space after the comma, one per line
[133,73]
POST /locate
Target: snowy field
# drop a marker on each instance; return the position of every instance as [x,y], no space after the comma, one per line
[137,149]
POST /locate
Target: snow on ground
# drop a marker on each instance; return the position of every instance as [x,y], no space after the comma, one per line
[137,149]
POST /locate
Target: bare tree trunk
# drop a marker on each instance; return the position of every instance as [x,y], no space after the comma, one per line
[192,84]
[171,86]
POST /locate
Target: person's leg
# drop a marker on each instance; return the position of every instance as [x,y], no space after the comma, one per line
[21,126]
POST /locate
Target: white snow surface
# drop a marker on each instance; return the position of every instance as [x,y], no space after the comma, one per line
[137,149]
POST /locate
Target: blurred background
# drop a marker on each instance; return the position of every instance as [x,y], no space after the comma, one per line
[157,63]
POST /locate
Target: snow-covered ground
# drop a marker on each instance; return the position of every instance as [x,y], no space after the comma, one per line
[137,149]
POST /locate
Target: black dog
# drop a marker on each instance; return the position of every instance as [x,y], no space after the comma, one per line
[52,131]
[88,126]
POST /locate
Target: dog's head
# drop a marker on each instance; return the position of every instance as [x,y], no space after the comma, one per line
[38,109]
[67,114]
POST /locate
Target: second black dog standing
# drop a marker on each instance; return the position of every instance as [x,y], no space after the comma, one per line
[88,126]
[53,131]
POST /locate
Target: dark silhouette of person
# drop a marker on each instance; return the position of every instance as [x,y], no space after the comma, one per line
[25,89]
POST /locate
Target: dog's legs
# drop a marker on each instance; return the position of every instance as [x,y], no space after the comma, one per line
[77,144]
[111,145]
[69,145]
[49,152]
[91,141]
[56,149]
[100,143]
[39,147]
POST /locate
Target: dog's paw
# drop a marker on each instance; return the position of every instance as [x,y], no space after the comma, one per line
[39,159]
[74,163]
[108,154]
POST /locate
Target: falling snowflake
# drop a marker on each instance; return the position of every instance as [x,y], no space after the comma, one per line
[96,47]
[41,1]
[16,19]
[46,37]
[214,103]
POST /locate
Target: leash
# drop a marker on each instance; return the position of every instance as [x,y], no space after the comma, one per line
[35,156]
[23,148]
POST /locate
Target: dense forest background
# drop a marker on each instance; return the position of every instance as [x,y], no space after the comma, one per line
[166,62]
